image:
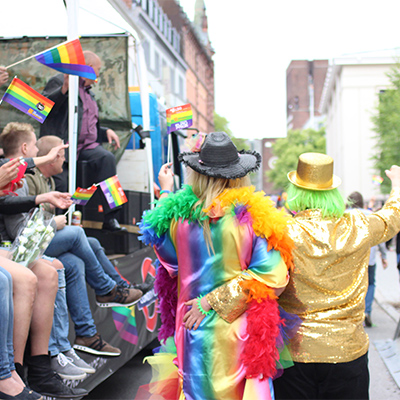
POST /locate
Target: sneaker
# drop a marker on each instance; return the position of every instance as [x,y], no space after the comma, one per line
[65,368]
[368,321]
[42,379]
[95,345]
[54,387]
[119,296]
[78,362]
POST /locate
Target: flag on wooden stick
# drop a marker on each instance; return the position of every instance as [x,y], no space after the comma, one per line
[113,192]
[67,58]
[24,98]
[82,196]
[179,118]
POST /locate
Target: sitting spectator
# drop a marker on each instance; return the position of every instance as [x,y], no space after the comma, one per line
[69,245]
[90,133]
[34,290]
[11,385]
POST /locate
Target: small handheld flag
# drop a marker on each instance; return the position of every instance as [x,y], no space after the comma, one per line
[112,189]
[377,179]
[82,196]
[67,58]
[179,118]
[24,98]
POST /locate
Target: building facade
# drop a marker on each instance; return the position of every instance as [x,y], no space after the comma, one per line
[349,99]
[197,52]
[166,67]
[304,84]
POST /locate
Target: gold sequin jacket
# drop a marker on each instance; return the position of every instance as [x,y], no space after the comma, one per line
[328,284]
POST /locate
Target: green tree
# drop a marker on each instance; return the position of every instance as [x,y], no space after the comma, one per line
[288,149]
[387,127]
[221,124]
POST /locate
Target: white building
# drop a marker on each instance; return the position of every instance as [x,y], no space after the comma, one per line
[349,99]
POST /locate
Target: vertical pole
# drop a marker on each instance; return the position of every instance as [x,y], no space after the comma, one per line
[72,13]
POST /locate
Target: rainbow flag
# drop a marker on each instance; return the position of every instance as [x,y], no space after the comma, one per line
[82,196]
[125,323]
[24,98]
[67,58]
[377,179]
[179,118]
[112,189]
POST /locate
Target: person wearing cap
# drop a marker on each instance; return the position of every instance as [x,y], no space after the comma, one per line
[328,284]
[214,230]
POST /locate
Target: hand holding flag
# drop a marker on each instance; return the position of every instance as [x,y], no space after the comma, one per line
[66,57]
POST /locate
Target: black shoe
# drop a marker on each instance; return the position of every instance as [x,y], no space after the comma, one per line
[113,225]
[368,321]
[143,287]
[26,394]
[48,383]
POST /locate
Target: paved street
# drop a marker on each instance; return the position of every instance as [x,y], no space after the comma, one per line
[386,317]
[125,382]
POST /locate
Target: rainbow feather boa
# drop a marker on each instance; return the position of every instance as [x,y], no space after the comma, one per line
[265,325]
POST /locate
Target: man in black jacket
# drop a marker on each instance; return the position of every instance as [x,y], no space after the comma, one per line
[90,133]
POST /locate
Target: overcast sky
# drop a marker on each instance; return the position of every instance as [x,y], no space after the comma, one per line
[254,43]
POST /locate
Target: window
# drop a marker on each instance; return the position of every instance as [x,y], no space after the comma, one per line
[157,69]
[181,88]
[172,79]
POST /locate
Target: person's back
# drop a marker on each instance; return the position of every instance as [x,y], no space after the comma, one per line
[328,284]
[219,231]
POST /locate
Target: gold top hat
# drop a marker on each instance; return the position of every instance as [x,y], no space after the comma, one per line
[314,172]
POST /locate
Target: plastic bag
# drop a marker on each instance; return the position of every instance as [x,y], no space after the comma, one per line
[34,237]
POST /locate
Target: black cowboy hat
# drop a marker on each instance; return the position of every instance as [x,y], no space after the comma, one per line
[219,158]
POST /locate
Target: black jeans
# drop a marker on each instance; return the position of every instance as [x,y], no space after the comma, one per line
[349,380]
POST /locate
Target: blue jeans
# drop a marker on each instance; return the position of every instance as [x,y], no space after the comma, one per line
[77,297]
[6,325]
[58,341]
[107,265]
[72,239]
[369,298]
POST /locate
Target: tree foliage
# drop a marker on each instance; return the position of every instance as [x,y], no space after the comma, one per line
[221,124]
[288,149]
[387,127]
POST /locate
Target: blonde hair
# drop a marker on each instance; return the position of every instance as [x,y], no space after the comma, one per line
[207,188]
[46,143]
[13,135]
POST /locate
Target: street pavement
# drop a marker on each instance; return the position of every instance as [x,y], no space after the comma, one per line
[384,352]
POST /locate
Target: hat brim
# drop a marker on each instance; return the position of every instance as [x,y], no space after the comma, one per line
[292,176]
[249,161]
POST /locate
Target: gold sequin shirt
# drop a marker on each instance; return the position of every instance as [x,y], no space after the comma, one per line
[328,285]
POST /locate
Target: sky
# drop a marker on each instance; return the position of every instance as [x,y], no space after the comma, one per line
[254,43]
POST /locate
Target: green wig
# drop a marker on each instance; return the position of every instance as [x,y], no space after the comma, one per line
[330,202]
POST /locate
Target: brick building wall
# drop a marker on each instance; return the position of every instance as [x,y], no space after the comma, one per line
[297,90]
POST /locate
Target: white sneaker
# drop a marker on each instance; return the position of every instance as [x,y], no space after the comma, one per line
[66,369]
[78,362]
